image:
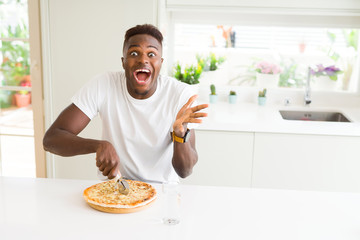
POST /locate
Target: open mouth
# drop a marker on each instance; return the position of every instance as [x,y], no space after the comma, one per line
[142,75]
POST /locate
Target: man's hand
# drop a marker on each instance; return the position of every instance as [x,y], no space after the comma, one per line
[188,114]
[107,159]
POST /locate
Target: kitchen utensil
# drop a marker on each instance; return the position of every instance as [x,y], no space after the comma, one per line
[121,185]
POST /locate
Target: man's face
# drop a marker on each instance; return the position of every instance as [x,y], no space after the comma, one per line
[142,63]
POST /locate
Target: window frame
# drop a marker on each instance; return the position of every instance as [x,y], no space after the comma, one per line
[260,13]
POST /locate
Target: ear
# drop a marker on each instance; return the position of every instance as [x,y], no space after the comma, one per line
[123,60]
[162,60]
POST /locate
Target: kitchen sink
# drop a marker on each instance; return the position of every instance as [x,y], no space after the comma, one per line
[313,116]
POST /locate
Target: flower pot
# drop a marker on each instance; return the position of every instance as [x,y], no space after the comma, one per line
[323,83]
[213,98]
[22,100]
[217,77]
[267,80]
[261,101]
[232,99]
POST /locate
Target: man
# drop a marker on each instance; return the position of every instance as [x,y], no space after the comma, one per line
[146,117]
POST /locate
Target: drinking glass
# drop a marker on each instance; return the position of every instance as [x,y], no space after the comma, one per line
[171,194]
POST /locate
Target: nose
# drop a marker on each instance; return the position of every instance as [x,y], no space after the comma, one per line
[144,58]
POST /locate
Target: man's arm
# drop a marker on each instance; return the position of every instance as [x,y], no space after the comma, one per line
[61,139]
[185,155]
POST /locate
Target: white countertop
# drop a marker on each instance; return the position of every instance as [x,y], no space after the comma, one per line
[55,209]
[249,117]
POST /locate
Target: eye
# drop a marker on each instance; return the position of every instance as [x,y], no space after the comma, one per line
[151,54]
[133,54]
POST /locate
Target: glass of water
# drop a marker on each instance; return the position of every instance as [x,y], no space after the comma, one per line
[171,195]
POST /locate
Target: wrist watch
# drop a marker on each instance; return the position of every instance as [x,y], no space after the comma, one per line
[183,139]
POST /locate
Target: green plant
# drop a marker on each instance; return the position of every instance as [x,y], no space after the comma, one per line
[331,71]
[190,75]
[290,76]
[352,38]
[232,92]
[210,62]
[213,89]
[262,93]
[267,68]
[16,63]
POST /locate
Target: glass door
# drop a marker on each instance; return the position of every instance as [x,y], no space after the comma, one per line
[17,152]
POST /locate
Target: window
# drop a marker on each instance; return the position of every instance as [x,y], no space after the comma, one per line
[292,48]
[294,36]
[17,153]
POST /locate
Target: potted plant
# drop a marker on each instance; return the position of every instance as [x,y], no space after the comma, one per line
[190,74]
[262,97]
[23,97]
[326,77]
[212,74]
[213,96]
[210,62]
[267,74]
[232,97]
[15,66]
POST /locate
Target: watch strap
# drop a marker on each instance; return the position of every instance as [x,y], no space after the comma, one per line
[179,139]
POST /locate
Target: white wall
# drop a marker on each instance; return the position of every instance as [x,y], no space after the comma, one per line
[83,38]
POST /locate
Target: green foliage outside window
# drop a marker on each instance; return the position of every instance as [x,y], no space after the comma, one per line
[16,62]
[210,62]
[190,74]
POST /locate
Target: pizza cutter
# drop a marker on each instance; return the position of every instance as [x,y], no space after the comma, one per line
[121,185]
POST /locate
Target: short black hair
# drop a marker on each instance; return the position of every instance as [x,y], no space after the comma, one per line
[144,29]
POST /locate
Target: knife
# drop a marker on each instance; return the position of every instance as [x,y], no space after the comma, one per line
[121,185]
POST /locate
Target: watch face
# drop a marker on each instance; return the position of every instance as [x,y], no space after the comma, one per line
[187,136]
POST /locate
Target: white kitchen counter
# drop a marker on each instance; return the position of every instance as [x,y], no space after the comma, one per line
[249,117]
[55,209]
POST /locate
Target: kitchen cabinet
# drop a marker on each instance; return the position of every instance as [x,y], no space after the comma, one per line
[277,160]
[225,159]
[306,162]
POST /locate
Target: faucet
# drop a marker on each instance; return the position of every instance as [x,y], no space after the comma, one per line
[307,96]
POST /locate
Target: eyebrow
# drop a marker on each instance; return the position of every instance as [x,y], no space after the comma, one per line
[149,46]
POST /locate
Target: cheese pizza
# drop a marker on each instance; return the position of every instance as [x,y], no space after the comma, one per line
[105,197]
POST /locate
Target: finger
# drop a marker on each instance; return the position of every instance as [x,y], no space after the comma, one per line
[198,115]
[186,118]
[106,171]
[199,107]
[186,105]
[189,102]
[98,163]
[194,120]
[113,173]
[102,167]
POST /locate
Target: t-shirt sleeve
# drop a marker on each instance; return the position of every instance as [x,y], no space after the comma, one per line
[90,97]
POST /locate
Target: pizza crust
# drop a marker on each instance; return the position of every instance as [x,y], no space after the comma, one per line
[119,210]
[104,197]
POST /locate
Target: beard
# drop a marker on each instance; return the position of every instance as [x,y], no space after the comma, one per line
[144,93]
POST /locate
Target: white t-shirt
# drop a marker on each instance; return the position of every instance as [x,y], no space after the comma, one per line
[138,129]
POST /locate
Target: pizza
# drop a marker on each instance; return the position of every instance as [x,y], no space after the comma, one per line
[105,197]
